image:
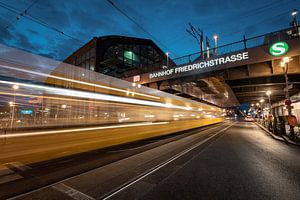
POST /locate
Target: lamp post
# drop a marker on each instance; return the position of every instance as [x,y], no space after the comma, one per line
[285,64]
[13,104]
[261,107]
[216,44]
[268,93]
[294,14]
[257,111]
[167,55]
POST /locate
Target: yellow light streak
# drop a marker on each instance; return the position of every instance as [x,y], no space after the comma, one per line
[90,95]
[14,135]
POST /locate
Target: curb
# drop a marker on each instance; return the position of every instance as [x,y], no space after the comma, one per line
[280,138]
[290,141]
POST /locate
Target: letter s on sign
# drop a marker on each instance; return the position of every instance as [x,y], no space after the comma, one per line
[279,49]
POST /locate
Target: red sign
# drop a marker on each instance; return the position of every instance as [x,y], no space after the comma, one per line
[292,120]
[270,117]
[136,78]
[288,102]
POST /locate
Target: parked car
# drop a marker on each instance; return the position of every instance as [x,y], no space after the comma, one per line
[249,119]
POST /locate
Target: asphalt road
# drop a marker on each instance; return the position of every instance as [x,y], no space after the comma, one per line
[18,177]
[226,161]
[244,163]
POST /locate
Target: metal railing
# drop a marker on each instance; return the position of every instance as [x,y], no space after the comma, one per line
[245,43]
[279,126]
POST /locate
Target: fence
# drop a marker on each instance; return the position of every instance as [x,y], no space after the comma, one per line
[265,39]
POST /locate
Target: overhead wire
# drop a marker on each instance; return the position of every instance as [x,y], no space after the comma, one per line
[137,24]
[21,14]
[36,20]
[257,23]
[255,12]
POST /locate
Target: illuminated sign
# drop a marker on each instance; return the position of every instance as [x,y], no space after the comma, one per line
[200,65]
[26,112]
[136,78]
[279,49]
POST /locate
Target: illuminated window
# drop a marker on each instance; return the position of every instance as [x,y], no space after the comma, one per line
[131,56]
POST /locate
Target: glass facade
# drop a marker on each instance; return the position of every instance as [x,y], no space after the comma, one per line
[120,56]
[86,59]
[120,60]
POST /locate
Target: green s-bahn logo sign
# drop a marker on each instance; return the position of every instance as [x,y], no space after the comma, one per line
[279,49]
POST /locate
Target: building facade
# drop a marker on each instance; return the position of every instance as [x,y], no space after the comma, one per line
[120,56]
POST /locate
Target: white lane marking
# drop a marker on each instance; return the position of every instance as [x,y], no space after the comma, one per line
[12,135]
[19,166]
[9,178]
[75,194]
[154,169]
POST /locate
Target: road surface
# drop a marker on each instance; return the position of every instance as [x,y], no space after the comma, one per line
[233,160]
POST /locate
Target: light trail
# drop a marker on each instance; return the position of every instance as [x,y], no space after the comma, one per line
[80,82]
[60,98]
[14,135]
[89,95]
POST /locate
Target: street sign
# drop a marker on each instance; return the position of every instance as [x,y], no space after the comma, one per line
[279,49]
[26,112]
[287,102]
[292,120]
[136,78]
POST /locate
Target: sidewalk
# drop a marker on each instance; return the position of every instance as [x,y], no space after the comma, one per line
[282,138]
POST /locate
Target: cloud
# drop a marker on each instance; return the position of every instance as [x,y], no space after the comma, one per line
[54,13]
[166,20]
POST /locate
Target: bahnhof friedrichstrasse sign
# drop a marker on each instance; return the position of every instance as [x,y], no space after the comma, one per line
[254,55]
[200,65]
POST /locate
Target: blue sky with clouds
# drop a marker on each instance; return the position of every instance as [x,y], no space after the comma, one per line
[165,20]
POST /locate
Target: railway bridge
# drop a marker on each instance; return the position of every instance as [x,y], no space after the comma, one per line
[236,73]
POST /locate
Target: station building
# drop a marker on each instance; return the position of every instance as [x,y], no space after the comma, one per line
[120,56]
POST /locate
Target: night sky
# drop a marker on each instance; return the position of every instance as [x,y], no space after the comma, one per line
[166,21]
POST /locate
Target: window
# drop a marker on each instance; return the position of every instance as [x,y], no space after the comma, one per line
[92,64]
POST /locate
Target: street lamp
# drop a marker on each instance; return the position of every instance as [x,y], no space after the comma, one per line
[261,107]
[285,64]
[294,14]
[167,55]
[15,87]
[13,104]
[216,44]
[286,59]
